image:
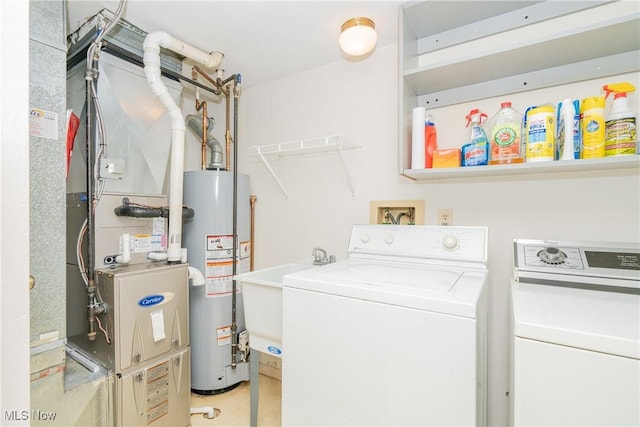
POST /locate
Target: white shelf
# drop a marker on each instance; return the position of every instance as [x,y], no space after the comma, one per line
[473,172]
[500,48]
[557,41]
[311,146]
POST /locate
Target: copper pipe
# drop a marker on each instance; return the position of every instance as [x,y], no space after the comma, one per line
[221,89]
[207,78]
[252,202]
[201,105]
[227,133]
[203,150]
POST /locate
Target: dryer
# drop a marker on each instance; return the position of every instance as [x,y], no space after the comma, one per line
[576,334]
[394,335]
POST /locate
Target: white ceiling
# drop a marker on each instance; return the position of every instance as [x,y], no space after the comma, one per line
[261,40]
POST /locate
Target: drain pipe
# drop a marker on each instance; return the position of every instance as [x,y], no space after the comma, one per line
[208,412]
[151,59]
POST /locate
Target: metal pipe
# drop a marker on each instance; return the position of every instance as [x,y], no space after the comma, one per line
[227,133]
[201,106]
[234,326]
[203,149]
[220,85]
[252,202]
[90,77]
[208,78]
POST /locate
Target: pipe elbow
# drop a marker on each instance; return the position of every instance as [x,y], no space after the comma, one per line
[157,256]
[196,276]
[125,256]
[214,60]
[154,40]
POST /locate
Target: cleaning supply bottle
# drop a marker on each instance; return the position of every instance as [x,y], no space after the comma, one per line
[504,136]
[540,133]
[620,123]
[568,130]
[476,151]
[417,139]
[430,139]
[592,127]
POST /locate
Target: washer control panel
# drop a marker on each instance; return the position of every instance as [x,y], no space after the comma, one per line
[420,242]
[572,261]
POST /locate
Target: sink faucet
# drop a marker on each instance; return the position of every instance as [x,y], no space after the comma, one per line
[320,257]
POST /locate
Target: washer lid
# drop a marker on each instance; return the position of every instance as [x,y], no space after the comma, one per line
[444,290]
[607,322]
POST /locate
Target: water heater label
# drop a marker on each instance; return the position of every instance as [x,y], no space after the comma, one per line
[219,263]
[219,246]
[224,336]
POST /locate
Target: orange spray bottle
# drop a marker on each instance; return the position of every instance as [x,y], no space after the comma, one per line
[430,140]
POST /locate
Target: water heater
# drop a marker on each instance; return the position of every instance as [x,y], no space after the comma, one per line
[208,237]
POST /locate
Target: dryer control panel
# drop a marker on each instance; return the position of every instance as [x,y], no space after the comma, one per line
[601,263]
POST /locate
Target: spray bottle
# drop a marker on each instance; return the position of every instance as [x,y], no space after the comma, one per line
[430,139]
[620,124]
[476,151]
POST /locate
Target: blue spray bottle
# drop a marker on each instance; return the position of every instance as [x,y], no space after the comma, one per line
[476,151]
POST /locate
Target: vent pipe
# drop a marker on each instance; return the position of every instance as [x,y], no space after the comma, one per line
[151,59]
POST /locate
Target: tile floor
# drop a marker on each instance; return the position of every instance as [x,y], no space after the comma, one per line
[234,405]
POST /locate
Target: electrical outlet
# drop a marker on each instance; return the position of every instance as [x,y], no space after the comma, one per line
[445,216]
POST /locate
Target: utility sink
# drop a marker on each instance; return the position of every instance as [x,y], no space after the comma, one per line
[262,300]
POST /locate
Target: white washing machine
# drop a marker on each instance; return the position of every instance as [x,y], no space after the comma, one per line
[576,334]
[394,335]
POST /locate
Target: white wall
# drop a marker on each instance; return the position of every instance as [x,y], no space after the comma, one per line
[14,216]
[358,101]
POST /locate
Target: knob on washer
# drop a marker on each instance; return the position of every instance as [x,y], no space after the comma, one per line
[450,242]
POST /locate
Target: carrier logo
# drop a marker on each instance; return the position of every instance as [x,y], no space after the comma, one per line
[274,350]
[36,113]
[155,299]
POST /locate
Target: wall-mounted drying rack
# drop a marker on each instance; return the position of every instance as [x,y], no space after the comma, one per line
[324,144]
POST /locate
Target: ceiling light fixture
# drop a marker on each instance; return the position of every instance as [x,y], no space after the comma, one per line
[358,36]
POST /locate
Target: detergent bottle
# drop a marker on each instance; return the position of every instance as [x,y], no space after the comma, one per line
[505,136]
[620,122]
[592,127]
[476,151]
